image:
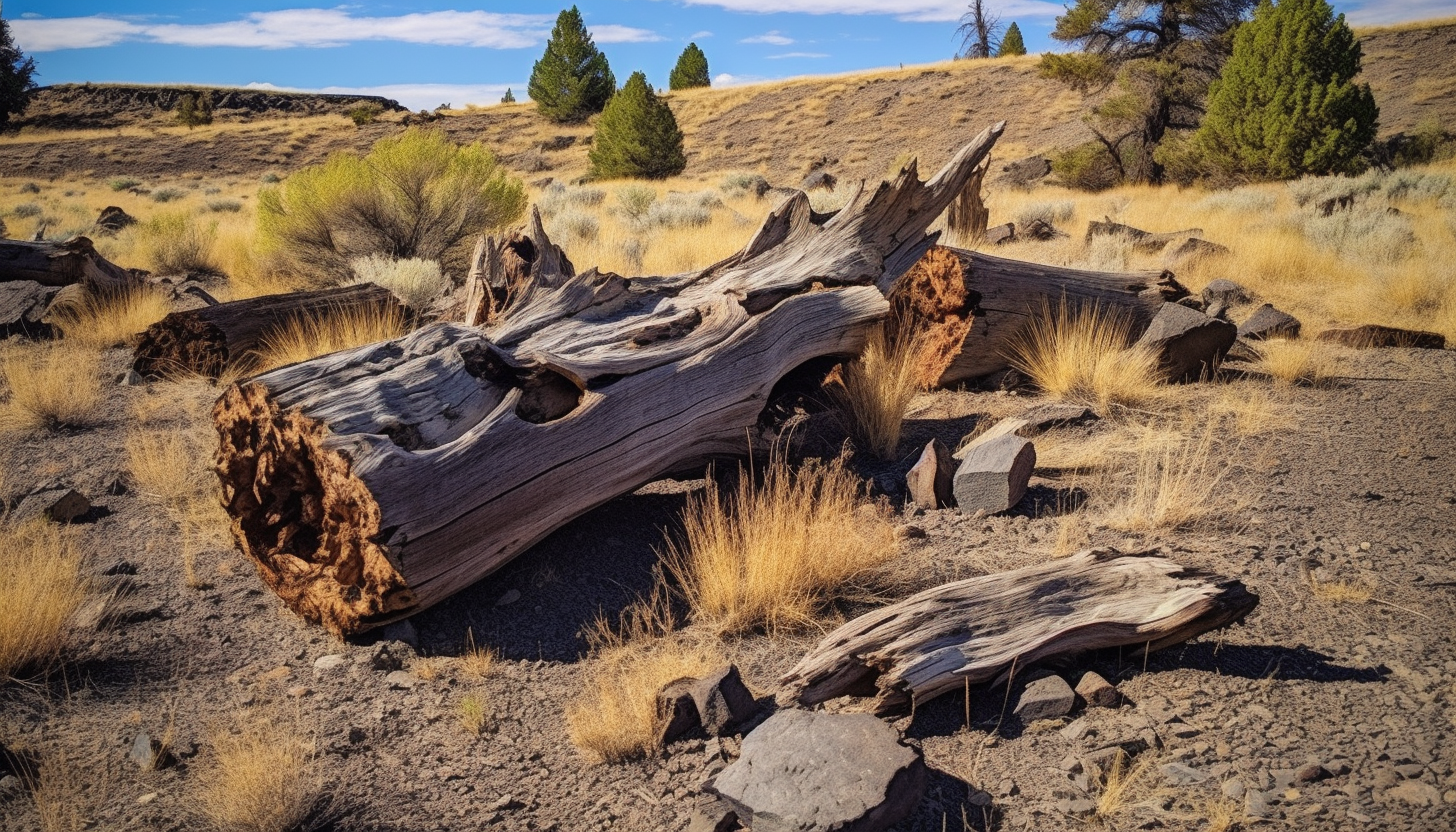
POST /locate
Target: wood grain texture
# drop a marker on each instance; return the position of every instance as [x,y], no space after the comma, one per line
[62,264]
[372,483]
[973,631]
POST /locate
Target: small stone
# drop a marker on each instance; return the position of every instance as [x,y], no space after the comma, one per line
[1283,777]
[132,378]
[10,784]
[1076,806]
[299,691]
[1233,789]
[324,665]
[1181,775]
[1075,730]
[146,798]
[388,655]
[511,597]
[1046,698]
[1413,792]
[58,505]
[1097,691]
[146,752]
[712,814]
[677,713]
[994,475]
[401,680]
[1226,292]
[1268,322]
[1312,773]
[1410,771]
[929,482]
[724,703]
[403,632]
[1385,778]
[1256,805]
[1070,764]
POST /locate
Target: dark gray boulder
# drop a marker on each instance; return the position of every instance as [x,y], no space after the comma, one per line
[1046,698]
[1268,322]
[809,771]
[993,475]
[1226,292]
[1189,344]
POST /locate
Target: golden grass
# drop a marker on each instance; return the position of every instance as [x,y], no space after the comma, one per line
[111,319]
[1086,355]
[1170,481]
[1251,409]
[1296,362]
[42,588]
[476,661]
[473,713]
[875,389]
[51,386]
[311,336]
[1121,784]
[259,776]
[614,715]
[770,554]
[1340,592]
[171,468]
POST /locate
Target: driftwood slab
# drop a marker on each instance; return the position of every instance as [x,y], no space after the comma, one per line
[372,483]
[973,631]
[62,264]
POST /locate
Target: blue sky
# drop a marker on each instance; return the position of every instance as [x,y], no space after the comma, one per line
[469,51]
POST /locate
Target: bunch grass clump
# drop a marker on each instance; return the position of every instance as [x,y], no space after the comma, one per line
[416,282]
[1308,363]
[875,389]
[42,587]
[260,776]
[52,387]
[310,336]
[1086,355]
[177,243]
[769,554]
[100,320]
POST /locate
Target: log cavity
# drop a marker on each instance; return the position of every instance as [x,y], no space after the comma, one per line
[311,526]
[178,345]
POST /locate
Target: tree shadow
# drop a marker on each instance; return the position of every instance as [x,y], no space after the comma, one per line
[1049,501]
[951,803]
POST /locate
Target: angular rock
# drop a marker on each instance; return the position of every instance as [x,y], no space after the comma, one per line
[723,702]
[1225,292]
[712,814]
[1097,691]
[929,482]
[812,771]
[1268,322]
[402,631]
[1046,698]
[1040,229]
[389,655]
[1195,247]
[328,664]
[993,475]
[149,754]
[1075,806]
[1413,792]
[1189,344]
[1180,775]
[1023,173]
[1001,234]
[1044,417]
[1192,302]
[59,505]
[1372,336]
[112,219]
[677,713]
[401,680]
[819,179]
[1312,773]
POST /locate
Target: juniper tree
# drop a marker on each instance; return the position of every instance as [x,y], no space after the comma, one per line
[194,109]
[1011,42]
[1287,104]
[509,97]
[637,135]
[16,77]
[691,70]
[1160,56]
[572,80]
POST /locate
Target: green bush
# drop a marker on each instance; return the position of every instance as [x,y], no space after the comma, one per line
[1429,143]
[26,210]
[1087,167]
[166,194]
[16,71]
[691,70]
[415,195]
[572,80]
[194,109]
[636,200]
[220,206]
[637,135]
[175,243]
[1286,103]
[122,183]
[366,113]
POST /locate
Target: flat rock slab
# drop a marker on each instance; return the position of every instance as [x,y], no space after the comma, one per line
[1371,336]
[1225,292]
[1189,344]
[1046,698]
[809,771]
[1268,322]
[59,505]
[994,474]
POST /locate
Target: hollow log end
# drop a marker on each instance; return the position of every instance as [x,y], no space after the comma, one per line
[180,344]
[299,513]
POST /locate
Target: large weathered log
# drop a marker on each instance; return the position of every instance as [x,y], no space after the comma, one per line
[976,630]
[369,484]
[61,264]
[209,340]
[973,306]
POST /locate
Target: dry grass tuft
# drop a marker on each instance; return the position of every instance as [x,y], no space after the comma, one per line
[1175,480]
[312,336]
[768,555]
[53,386]
[170,469]
[1086,355]
[614,717]
[1251,409]
[111,319]
[260,776]
[42,588]
[473,713]
[1340,592]
[875,389]
[477,661]
[1121,784]
[1296,362]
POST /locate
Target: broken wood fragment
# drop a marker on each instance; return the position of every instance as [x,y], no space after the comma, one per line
[62,264]
[983,629]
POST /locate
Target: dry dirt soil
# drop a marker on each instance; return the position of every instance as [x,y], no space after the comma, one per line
[1357,487]
[856,125]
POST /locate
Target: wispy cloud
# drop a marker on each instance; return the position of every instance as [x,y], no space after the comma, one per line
[700,35]
[798,55]
[1372,12]
[418,96]
[309,28]
[908,10]
[774,38]
[724,79]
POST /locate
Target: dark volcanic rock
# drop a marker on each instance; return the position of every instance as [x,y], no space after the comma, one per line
[1268,322]
[993,476]
[1189,344]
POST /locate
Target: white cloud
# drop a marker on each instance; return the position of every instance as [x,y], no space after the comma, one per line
[774,38]
[310,28]
[798,55]
[909,10]
[724,79]
[700,35]
[612,33]
[1373,12]
[418,96]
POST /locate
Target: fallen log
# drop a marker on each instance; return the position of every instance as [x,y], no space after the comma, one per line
[984,629]
[971,307]
[209,340]
[23,308]
[61,264]
[372,483]
[1141,240]
[504,266]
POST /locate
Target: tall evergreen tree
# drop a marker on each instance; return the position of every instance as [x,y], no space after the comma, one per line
[572,80]
[16,77]
[691,70]
[1287,103]
[1161,56]
[1011,42]
[509,97]
[637,135]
